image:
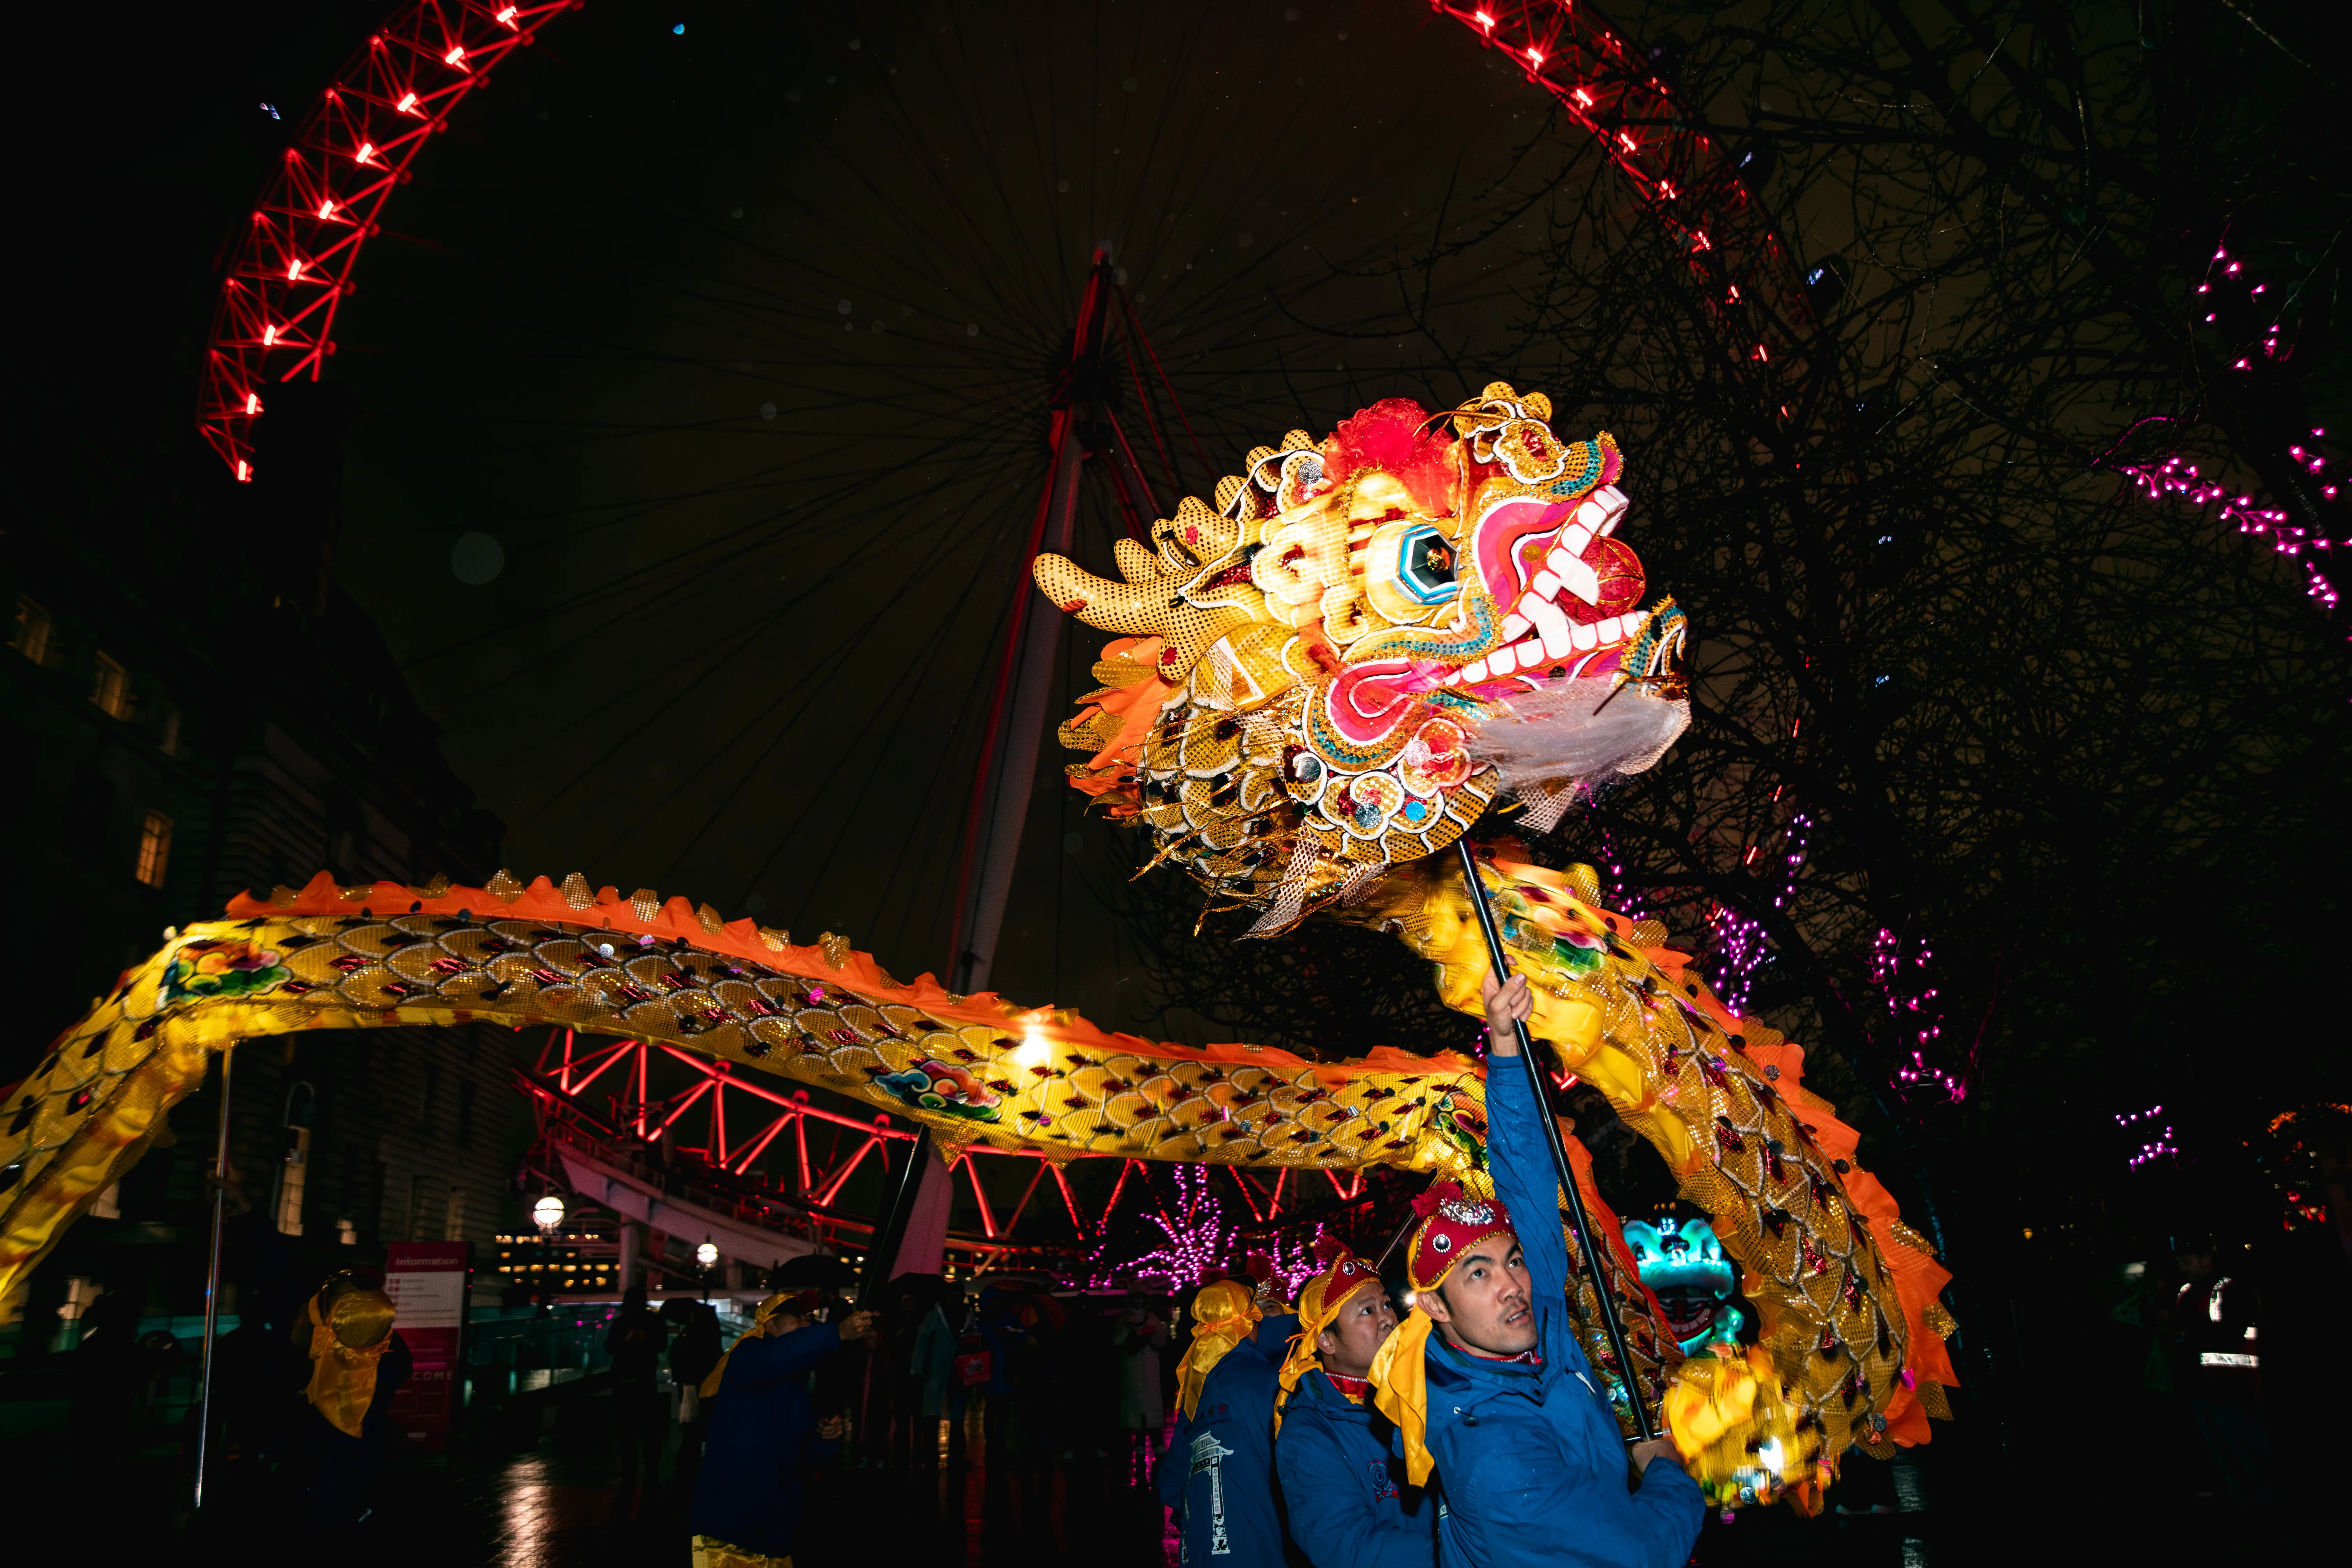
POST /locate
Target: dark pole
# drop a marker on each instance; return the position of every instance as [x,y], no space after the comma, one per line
[1595,1254]
[892,1231]
[212,1277]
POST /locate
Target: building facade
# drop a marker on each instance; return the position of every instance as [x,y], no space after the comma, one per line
[189,707]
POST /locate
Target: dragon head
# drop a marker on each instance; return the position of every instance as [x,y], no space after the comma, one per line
[1337,667]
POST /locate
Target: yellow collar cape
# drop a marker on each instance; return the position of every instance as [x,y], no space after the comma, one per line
[802,1303]
[1318,1308]
[1400,1378]
[346,1343]
[1224,1315]
[1451,1223]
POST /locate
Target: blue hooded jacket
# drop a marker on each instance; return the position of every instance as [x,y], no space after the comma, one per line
[1233,1509]
[1351,1506]
[1530,1463]
[763,1431]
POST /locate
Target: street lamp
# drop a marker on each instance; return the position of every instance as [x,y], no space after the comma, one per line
[547,1214]
[707,1255]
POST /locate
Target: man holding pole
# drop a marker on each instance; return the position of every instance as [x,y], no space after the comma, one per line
[1485,1382]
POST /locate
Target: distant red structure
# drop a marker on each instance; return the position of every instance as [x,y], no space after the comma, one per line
[626,1106]
[1694,185]
[290,272]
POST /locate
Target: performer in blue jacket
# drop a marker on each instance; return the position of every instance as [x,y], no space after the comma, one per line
[1231,1509]
[1224,1312]
[1484,1380]
[1350,1505]
[747,1502]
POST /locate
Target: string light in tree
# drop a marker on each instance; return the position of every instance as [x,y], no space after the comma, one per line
[2175,476]
[1739,943]
[1901,981]
[1296,1263]
[1626,900]
[1197,1237]
[2155,1136]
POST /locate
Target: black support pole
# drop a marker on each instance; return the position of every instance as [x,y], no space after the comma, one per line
[1596,1256]
[892,1231]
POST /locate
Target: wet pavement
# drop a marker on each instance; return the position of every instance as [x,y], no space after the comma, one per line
[547,1496]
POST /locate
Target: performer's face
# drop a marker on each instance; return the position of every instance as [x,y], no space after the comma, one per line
[1484,1304]
[1364,1320]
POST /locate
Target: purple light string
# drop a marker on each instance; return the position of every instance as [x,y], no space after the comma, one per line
[2177,477]
[1739,943]
[1626,900]
[2158,1141]
[1295,1265]
[1197,1236]
[1902,983]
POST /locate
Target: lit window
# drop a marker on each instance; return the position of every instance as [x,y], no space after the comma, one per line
[31,638]
[154,848]
[111,690]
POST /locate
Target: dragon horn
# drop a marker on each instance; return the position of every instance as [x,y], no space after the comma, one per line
[1132,610]
[1150,606]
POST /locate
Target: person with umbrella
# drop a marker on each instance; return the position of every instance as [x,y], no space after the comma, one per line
[747,1502]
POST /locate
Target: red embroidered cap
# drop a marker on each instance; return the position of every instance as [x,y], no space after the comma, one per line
[1451,1224]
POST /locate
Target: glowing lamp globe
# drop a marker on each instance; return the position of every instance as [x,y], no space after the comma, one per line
[707,1255]
[548,1213]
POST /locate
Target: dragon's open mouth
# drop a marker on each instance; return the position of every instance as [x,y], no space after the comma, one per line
[1690,1309]
[1570,588]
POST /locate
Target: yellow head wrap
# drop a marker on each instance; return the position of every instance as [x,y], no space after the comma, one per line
[800,1302]
[1224,1315]
[347,1339]
[1318,1308]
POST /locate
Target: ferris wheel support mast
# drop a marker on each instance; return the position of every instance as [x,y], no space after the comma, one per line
[1086,424]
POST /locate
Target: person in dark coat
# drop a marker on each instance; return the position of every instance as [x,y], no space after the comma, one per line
[692,1357]
[1484,1380]
[747,1506]
[1225,1314]
[640,1423]
[1233,1509]
[356,1362]
[1349,1502]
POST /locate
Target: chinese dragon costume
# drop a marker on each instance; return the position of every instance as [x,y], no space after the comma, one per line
[1366,648]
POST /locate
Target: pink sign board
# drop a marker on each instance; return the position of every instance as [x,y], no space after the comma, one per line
[427,1283]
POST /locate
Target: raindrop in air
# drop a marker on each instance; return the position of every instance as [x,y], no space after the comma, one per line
[476,559]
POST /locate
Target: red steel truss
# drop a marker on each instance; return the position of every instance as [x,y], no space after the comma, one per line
[1687,181]
[747,1123]
[287,273]
[743,1118]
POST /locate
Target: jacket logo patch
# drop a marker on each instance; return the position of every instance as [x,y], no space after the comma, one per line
[1210,1454]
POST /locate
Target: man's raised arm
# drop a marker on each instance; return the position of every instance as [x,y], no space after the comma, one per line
[1517,1152]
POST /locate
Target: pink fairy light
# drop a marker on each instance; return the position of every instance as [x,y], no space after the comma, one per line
[1901,981]
[1197,1237]
[1741,945]
[2159,1142]
[2176,477]
[1296,1263]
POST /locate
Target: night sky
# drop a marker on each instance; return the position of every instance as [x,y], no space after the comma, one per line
[737,340]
